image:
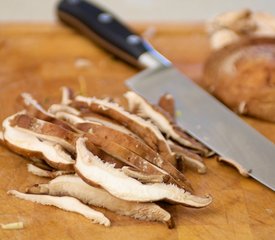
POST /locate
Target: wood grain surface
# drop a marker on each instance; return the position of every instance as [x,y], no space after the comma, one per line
[40,58]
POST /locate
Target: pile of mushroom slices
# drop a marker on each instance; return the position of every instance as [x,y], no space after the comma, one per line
[98,154]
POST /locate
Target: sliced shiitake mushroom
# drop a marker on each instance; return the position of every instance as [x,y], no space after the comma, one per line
[31,146]
[33,108]
[46,173]
[74,186]
[93,171]
[189,159]
[66,203]
[167,103]
[162,120]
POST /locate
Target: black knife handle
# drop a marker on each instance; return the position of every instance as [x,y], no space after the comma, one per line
[106,30]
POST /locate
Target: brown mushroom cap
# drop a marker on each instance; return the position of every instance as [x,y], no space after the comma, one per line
[242,75]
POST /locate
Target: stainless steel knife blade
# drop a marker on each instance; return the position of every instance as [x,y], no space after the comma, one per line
[210,121]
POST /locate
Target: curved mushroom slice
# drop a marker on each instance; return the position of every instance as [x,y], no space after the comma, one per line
[98,120]
[55,108]
[36,110]
[167,103]
[59,109]
[32,106]
[93,171]
[123,146]
[45,130]
[66,203]
[234,164]
[161,119]
[190,159]
[67,95]
[30,146]
[46,173]
[108,123]
[41,163]
[141,176]
[74,186]
[144,129]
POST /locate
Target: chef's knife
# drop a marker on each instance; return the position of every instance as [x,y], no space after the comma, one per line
[202,116]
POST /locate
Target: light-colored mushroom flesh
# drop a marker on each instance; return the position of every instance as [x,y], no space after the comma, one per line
[140,106]
[67,95]
[74,186]
[46,173]
[167,103]
[141,176]
[66,203]
[34,109]
[234,164]
[93,171]
[190,160]
[29,145]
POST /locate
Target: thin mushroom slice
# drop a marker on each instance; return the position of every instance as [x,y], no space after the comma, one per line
[45,130]
[55,108]
[167,103]
[128,149]
[93,117]
[164,122]
[141,176]
[30,146]
[74,186]
[41,163]
[94,171]
[34,109]
[65,203]
[46,173]
[67,95]
[59,109]
[236,165]
[144,129]
[189,159]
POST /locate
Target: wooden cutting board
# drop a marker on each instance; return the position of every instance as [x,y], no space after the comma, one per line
[40,58]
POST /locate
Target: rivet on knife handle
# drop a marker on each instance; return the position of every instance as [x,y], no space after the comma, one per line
[105,29]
